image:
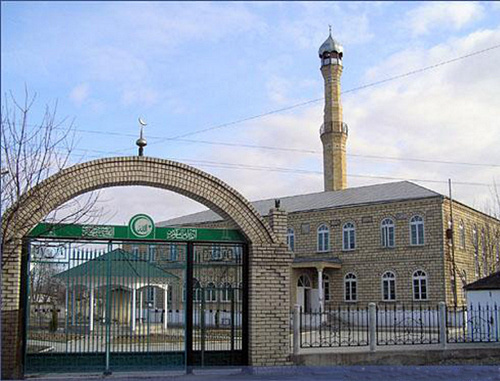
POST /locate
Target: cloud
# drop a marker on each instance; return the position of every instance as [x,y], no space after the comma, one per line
[80,93]
[446,114]
[442,15]
[141,96]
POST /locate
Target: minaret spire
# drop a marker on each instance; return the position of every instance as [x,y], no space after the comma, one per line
[333,131]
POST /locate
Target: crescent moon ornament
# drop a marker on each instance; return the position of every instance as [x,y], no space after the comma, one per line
[142,123]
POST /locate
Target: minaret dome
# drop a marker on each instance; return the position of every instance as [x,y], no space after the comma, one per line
[331,52]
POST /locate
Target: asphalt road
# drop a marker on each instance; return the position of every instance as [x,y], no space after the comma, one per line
[351,373]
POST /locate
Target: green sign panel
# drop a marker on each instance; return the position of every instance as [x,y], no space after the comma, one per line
[141,226]
[139,229]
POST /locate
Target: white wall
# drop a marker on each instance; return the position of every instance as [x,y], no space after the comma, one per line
[483,298]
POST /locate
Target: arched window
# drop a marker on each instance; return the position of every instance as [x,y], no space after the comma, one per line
[387,232]
[197,294]
[290,239]
[484,245]
[389,286]
[350,288]
[326,287]
[210,294]
[349,236]
[304,281]
[226,292]
[475,243]
[323,238]
[417,230]
[419,285]
[461,229]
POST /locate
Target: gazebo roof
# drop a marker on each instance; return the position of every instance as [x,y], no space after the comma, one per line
[122,265]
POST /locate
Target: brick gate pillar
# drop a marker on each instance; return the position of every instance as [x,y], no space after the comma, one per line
[269,305]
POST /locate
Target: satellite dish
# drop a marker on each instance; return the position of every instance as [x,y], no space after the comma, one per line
[142,123]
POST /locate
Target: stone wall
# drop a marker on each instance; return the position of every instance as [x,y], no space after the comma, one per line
[486,250]
[369,260]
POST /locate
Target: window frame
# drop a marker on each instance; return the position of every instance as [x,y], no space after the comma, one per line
[385,237]
[197,290]
[323,231]
[351,240]
[421,279]
[290,239]
[475,244]
[419,236]
[462,237]
[225,294]
[389,280]
[211,292]
[484,252]
[350,279]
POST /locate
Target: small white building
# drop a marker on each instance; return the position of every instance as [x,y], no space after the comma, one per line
[484,292]
[483,307]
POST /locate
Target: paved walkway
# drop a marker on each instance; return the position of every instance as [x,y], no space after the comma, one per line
[354,373]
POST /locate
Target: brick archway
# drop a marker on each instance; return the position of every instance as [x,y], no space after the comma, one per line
[268,258]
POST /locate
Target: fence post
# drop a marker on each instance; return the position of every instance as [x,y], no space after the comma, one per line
[442,324]
[372,326]
[296,329]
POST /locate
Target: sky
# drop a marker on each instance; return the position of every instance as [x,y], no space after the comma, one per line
[230,67]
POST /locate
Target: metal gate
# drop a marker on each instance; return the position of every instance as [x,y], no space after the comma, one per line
[118,305]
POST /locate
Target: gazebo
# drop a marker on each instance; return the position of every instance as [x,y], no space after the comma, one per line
[117,272]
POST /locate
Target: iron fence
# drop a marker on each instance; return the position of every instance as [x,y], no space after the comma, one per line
[472,324]
[397,325]
[403,325]
[339,327]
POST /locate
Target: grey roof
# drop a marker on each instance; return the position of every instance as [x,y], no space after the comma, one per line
[491,282]
[330,45]
[396,191]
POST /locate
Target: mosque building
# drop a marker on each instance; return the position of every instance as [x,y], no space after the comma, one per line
[394,242]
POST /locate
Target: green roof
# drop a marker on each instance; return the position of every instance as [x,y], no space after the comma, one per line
[122,264]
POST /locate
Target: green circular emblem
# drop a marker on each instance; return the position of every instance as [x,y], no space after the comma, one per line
[141,225]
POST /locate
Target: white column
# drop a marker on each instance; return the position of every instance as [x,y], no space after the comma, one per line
[134,307]
[320,289]
[91,309]
[372,324]
[165,306]
[141,293]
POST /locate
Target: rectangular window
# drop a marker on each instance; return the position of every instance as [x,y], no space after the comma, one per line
[389,292]
[152,253]
[350,291]
[414,234]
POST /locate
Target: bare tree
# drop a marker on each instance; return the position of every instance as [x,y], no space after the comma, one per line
[32,151]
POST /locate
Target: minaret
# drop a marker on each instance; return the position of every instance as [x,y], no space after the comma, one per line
[333,131]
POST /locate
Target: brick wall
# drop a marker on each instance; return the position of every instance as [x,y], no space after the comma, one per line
[268,259]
